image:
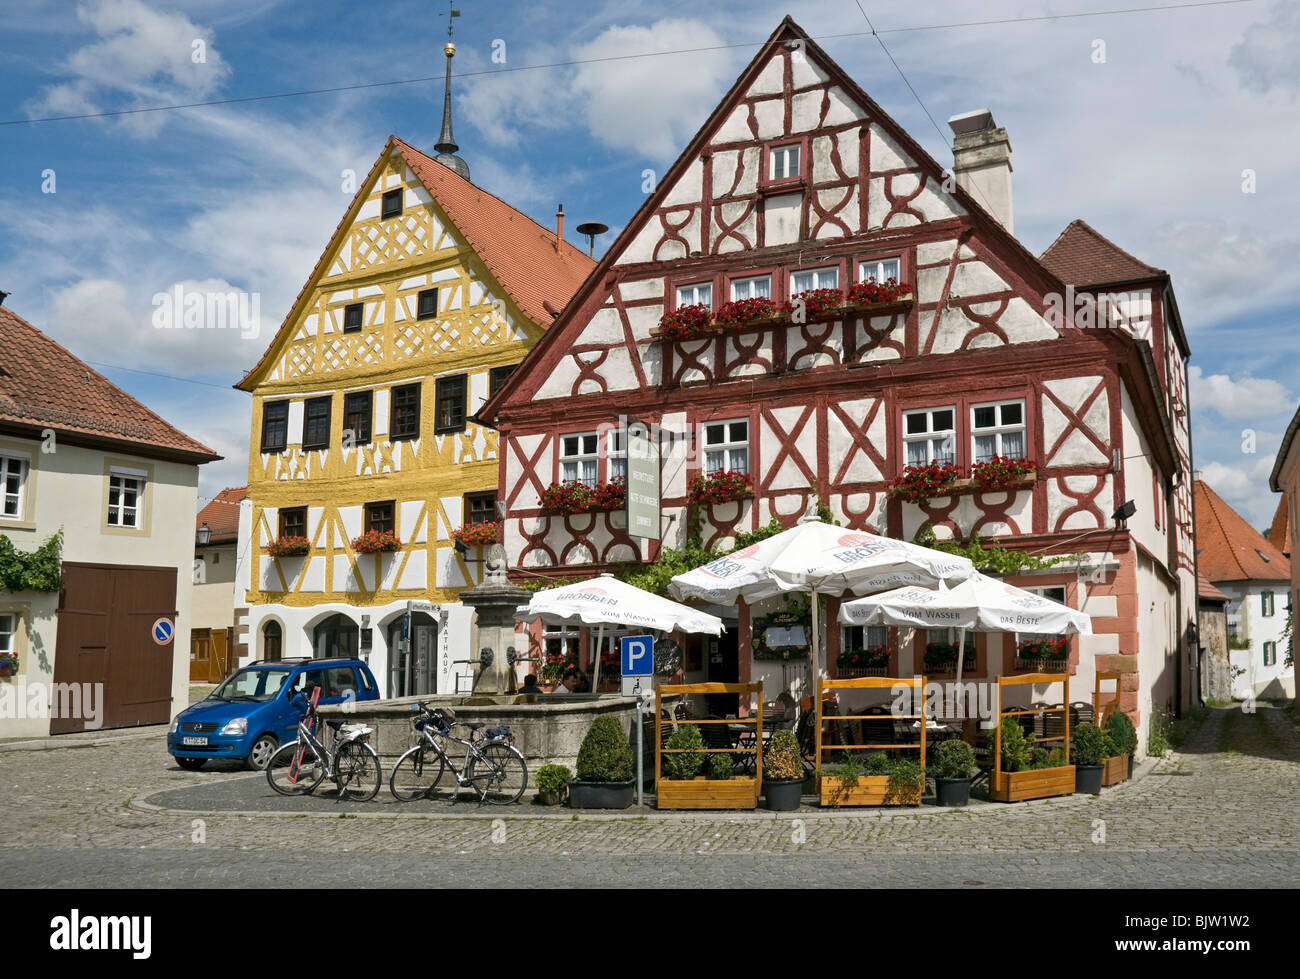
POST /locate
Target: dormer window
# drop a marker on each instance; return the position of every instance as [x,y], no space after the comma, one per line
[352,318]
[783,162]
[392,206]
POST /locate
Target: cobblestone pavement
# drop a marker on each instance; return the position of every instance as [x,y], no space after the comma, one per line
[1224,811]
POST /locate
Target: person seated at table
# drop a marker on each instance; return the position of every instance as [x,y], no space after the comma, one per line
[530,685]
[571,683]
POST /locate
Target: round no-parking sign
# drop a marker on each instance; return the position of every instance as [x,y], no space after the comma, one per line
[163,631]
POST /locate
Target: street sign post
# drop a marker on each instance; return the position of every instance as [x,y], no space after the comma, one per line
[638,662]
[642,482]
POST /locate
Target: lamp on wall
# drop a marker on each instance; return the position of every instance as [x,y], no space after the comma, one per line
[203,535]
[1121,515]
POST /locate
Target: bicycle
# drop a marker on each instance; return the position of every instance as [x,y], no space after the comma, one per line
[494,768]
[298,767]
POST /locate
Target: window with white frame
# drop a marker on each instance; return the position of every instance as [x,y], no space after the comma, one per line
[997,429]
[726,447]
[865,636]
[8,632]
[125,499]
[698,293]
[13,480]
[1054,593]
[616,452]
[929,435]
[814,279]
[560,643]
[880,269]
[1266,604]
[1270,654]
[784,162]
[753,287]
[578,456]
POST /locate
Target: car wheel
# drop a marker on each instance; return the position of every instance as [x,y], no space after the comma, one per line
[261,752]
[191,764]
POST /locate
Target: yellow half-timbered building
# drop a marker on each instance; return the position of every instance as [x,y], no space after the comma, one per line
[429,293]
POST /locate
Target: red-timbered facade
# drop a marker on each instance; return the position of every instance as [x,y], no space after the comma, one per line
[797,181]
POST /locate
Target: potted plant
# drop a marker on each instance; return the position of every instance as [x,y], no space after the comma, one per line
[719,487]
[954,767]
[873,293]
[376,542]
[1122,734]
[744,312]
[1088,745]
[288,547]
[8,664]
[783,772]
[918,484]
[552,784]
[604,779]
[1000,473]
[692,778]
[816,304]
[478,534]
[686,322]
[876,780]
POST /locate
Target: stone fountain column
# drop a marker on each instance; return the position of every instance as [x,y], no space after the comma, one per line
[494,602]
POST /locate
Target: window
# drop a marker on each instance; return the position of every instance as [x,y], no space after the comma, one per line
[275,425]
[616,452]
[124,499]
[752,288]
[293,521]
[356,416]
[945,636]
[8,631]
[879,269]
[392,203]
[1054,593]
[1266,604]
[404,420]
[560,643]
[379,516]
[271,635]
[427,305]
[814,279]
[316,423]
[998,429]
[352,317]
[1270,654]
[701,293]
[578,458]
[498,376]
[449,411]
[783,162]
[726,447]
[480,508]
[865,636]
[929,436]
[13,472]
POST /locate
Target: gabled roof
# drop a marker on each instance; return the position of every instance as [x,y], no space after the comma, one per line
[222,515]
[1283,451]
[1229,548]
[519,252]
[1206,592]
[42,385]
[1279,531]
[1082,256]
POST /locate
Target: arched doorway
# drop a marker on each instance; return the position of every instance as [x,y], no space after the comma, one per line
[271,645]
[335,636]
[413,662]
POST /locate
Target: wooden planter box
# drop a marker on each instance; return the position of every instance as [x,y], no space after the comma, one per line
[1038,784]
[867,790]
[744,493]
[960,487]
[704,793]
[1114,770]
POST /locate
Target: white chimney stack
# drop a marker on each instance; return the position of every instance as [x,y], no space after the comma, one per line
[981,162]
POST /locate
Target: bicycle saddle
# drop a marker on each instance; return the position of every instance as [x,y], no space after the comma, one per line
[474,725]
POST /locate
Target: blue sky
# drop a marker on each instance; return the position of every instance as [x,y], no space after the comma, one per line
[1148,145]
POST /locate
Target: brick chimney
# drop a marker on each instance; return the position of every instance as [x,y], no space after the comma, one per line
[559,226]
[981,162]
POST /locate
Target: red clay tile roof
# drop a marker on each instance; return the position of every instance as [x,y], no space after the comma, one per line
[518,251]
[222,514]
[1230,549]
[1082,256]
[43,385]
[1205,590]
[1279,532]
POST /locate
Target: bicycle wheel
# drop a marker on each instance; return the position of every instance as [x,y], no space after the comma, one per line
[419,774]
[501,774]
[358,771]
[290,775]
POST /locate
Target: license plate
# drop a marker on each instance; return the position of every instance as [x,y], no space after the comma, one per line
[194,740]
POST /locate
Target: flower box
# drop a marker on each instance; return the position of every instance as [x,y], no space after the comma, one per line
[746,312]
[862,662]
[376,542]
[575,496]
[1000,474]
[957,485]
[9,664]
[918,484]
[478,534]
[686,323]
[1114,770]
[288,547]
[720,487]
[705,793]
[815,306]
[1038,783]
[872,293]
[866,790]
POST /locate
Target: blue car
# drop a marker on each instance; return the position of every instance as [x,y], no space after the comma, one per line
[251,714]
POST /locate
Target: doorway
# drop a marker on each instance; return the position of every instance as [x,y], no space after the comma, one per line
[722,665]
[336,637]
[412,665]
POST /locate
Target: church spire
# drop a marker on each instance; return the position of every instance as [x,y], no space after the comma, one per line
[446,146]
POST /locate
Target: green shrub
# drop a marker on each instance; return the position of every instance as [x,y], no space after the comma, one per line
[553,778]
[686,738]
[904,775]
[605,755]
[782,759]
[1016,746]
[1158,736]
[1089,745]
[1046,759]
[720,767]
[876,764]
[1109,748]
[954,758]
[1120,727]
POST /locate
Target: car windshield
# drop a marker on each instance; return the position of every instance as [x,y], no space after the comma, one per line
[250,684]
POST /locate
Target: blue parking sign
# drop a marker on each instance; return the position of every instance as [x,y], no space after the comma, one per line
[638,655]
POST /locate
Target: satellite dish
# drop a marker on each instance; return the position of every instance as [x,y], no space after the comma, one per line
[668,657]
[591,229]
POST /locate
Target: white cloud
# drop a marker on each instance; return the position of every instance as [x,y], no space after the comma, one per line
[1265,55]
[1245,486]
[1243,398]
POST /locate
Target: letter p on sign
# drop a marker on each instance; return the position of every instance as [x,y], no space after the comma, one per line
[638,655]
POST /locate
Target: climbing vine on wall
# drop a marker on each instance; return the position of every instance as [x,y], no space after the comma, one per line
[38,570]
[992,560]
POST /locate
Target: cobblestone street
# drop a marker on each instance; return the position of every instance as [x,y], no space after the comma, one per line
[1222,812]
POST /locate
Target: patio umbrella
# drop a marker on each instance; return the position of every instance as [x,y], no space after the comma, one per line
[981,603]
[822,559]
[606,601]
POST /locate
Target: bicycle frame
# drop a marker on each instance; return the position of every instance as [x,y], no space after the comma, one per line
[472,754]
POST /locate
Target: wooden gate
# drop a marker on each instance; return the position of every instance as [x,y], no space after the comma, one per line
[209,655]
[105,635]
